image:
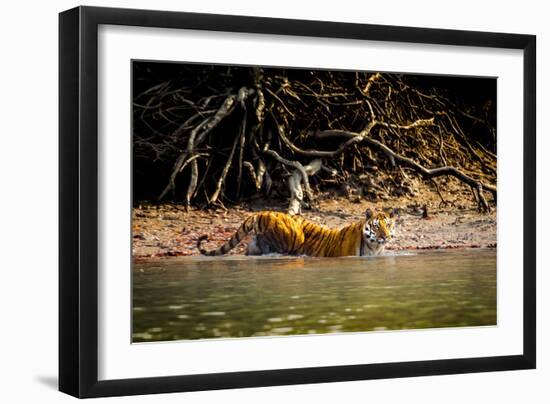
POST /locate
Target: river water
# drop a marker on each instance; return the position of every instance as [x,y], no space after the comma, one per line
[199,297]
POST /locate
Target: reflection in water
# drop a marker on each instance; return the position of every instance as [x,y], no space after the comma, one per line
[199,297]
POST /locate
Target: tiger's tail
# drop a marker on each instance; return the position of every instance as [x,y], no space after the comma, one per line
[240,234]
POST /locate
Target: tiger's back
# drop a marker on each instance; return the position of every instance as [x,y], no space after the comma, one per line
[275,232]
[320,241]
[280,231]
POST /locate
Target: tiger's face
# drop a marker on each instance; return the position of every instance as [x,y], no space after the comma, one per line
[379,228]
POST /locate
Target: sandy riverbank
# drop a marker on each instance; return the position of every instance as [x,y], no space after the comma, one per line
[168,230]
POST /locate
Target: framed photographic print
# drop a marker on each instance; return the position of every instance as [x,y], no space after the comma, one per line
[251,201]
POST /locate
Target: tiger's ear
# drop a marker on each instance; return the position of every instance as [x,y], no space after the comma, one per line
[369,213]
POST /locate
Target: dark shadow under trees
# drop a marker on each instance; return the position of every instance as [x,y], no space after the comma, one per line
[209,135]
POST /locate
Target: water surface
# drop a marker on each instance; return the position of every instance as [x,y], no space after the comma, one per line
[200,297]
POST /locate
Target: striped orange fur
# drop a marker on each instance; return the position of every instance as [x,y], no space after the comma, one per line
[276,232]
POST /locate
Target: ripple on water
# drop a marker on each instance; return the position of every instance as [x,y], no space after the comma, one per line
[282,330]
[213,313]
[275,319]
[142,335]
[294,316]
[176,306]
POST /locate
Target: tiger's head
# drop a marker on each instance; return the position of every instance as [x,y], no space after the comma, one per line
[379,229]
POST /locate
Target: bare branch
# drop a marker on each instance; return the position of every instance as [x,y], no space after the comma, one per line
[426,172]
[205,127]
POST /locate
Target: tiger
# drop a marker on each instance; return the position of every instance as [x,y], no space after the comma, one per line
[277,232]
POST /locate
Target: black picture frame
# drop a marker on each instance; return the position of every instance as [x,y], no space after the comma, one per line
[78,201]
